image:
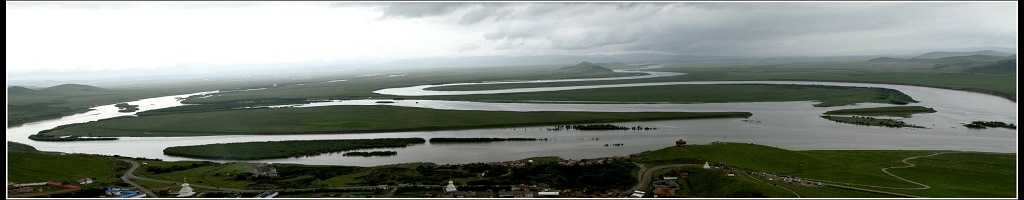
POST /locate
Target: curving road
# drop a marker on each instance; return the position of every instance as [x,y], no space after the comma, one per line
[647,173]
[909,165]
[129,174]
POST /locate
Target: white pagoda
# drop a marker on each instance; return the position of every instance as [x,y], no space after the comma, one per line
[185,191]
[706,166]
[450,187]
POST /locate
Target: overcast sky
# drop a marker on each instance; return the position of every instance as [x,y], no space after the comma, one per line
[49,39]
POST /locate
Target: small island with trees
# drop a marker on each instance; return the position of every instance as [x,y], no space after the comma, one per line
[459,140]
[989,124]
[870,121]
[284,149]
[895,111]
[125,107]
[592,127]
[371,153]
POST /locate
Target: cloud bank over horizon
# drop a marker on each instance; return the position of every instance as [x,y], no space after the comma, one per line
[65,39]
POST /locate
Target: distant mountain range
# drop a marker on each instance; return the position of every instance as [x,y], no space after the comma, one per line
[943,54]
[970,62]
[19,90]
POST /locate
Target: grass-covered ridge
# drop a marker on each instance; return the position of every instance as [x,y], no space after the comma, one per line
[284,149]
[895,111]
[990,175]
[351,119]
[724,93]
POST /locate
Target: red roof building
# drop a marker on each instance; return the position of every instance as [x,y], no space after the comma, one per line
[69,186]
[53,183]
[680,142]
[664,191]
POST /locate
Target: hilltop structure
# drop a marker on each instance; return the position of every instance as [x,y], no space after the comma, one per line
[185,191]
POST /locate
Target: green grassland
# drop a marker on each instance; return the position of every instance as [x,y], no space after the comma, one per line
[827,95]
[895,111]
[28,105]
[351,119]
[991,174]
[17,115]
[27,167]
[921,74]
[362,87]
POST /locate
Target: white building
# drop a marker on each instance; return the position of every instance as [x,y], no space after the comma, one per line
[706,166]
[450,187]
[185,191]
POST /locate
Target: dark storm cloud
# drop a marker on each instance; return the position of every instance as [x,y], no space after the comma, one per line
[738,27]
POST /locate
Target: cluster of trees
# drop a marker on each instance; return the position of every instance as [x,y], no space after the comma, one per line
[173,168]
[611,175]
[124,107]
[588,127]
[371,153]
[284,149]
[444,140]
[989,124]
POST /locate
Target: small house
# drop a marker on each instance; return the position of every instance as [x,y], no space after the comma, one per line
[680,143]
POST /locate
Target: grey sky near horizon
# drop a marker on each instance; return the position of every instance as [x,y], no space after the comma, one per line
[55,40]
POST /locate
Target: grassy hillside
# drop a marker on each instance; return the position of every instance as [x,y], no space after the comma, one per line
[350,119]
[26,165]
[941,54]
[584,67]
[986,174]
[1000,67]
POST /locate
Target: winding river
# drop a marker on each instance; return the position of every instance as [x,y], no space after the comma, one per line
[789,125]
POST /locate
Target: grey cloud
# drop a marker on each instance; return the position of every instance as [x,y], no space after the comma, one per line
[157,5]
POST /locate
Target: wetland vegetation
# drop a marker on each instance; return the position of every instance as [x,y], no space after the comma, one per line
[351,119]
[895,111]
[990,124]
[370,153]
[870,121]
[284,149]
[460,140]
[723,93]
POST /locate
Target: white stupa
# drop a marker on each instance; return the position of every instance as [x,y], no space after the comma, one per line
[450,187]
[706,166]
[185,191]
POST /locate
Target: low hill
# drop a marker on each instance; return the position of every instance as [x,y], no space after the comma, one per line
[943,54]
[73,87]
[1000,67]
[19,147]
[891,59]
[970,58]
[19,90]
[584,67]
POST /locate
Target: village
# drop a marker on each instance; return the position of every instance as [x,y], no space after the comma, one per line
[504,179]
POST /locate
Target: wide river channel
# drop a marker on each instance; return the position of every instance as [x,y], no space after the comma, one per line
[788,125]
